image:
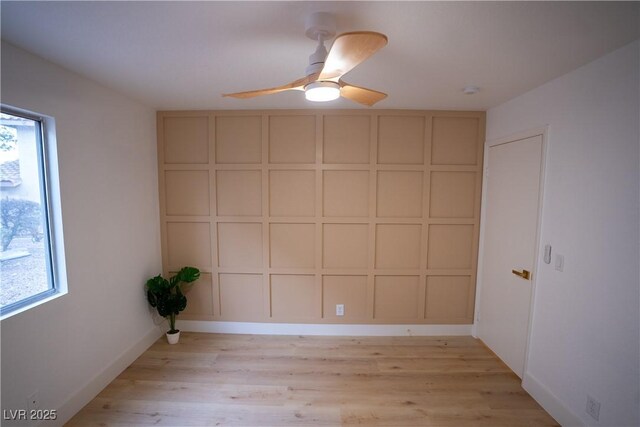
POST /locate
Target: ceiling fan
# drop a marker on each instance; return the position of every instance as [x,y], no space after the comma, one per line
[323,81]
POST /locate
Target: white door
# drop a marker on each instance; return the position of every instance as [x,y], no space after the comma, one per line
[512,194]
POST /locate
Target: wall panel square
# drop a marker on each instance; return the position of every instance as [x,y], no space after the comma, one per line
[186,192]
[453,194]
[346,193]
[448,297]
[398,245]
[399,194]
[239,244]
[401,140]
[292,193]
[292,139]
[292,245]
[199,296]
[186,140]
[293,296]
[346,139]
[345,245]
[239,192]
[455,141]
[239,139]
[396,297]
[450,246]
[241,297]
[351,291]
[188,244]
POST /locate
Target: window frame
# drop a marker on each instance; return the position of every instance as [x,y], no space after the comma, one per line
[52,215]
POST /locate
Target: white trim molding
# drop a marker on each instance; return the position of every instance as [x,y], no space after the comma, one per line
[550,402]
[317,329]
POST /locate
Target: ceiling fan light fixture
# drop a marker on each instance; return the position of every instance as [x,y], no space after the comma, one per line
[322,91]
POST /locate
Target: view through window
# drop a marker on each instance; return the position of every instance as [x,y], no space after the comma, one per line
[26,273]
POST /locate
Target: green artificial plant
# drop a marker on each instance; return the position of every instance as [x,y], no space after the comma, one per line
[167,296]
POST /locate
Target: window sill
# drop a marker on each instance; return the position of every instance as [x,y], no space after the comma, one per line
[32,304]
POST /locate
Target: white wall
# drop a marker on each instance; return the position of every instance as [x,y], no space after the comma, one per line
[71,347]
[586,325]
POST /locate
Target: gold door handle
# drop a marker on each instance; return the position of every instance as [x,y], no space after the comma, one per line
[525,274]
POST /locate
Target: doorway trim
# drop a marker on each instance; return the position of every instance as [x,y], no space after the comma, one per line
[477,315]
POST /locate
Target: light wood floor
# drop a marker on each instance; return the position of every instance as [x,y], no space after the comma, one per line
[249,380]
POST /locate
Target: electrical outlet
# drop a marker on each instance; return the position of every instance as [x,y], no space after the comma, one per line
[339,309]
[33,401]
[593,408]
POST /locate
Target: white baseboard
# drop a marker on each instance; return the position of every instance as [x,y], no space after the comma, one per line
[317,329]
[96,384]
[550,402]
[474,330]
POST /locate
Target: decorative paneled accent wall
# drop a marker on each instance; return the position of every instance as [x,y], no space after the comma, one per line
[289,213]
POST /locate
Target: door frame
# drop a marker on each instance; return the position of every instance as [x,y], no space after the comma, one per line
[477,314]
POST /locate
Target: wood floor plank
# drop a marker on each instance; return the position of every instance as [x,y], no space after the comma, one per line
[246,380]
[159,358]
[229,394]
[103,412]
[446,365]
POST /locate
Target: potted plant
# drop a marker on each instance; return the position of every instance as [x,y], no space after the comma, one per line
[167,297]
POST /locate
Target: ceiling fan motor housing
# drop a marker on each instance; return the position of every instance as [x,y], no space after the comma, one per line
[319,26]
[316,60]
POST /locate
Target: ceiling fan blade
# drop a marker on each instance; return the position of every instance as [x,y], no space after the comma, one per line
[349,50]
[296,85]
[259,92]
[361,95]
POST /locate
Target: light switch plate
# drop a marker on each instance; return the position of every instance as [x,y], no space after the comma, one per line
[559,262]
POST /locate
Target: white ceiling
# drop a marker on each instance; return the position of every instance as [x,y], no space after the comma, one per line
[183,55]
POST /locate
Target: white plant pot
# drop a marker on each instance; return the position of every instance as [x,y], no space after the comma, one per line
[173,338]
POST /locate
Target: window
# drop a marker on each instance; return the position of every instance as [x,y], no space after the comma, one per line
[31,252]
